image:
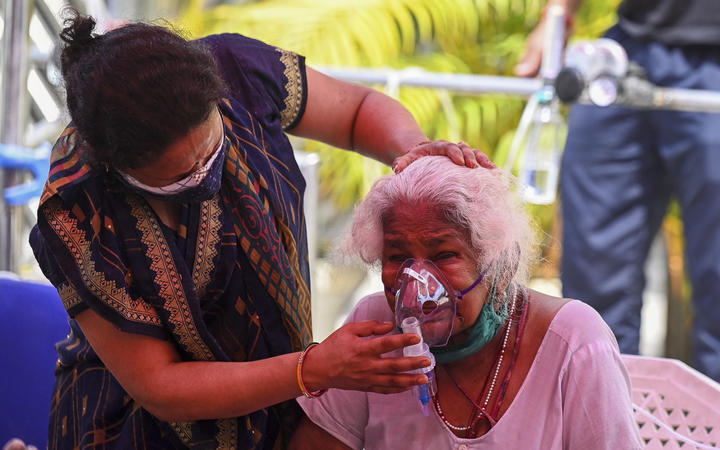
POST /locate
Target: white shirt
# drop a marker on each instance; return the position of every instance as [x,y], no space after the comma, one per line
[575,396]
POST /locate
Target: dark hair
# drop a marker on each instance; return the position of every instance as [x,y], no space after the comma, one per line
[133,91]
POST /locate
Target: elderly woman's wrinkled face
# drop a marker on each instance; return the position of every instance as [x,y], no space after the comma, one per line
[421,231]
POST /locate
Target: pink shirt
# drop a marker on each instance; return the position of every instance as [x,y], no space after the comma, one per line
[575,396]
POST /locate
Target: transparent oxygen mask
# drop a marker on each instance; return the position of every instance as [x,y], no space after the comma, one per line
[423,293]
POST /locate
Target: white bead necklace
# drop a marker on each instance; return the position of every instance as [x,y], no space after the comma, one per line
[502,349]
[445,421]
[483,410]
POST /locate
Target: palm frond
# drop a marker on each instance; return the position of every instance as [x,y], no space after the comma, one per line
[459,36]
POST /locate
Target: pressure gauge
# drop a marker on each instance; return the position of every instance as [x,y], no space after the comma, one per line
[603,90]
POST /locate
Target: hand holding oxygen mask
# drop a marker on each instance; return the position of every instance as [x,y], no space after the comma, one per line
[426,304]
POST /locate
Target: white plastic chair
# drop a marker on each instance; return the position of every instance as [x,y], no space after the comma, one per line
[676,407]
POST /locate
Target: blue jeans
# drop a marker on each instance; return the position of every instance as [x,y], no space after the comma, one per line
[619,169]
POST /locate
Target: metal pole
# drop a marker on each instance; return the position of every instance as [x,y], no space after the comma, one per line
[638,93]
[688,100]
[14,79]
[477,84]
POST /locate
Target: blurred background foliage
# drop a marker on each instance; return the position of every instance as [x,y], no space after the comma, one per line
[458,36]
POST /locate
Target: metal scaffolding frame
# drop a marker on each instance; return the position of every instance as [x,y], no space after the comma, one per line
[31,101]
[12,105]
[31,104]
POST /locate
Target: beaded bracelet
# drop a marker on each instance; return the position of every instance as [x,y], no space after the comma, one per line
[301,359]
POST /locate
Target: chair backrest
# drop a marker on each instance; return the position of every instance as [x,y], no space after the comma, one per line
[32,320]
[675,405]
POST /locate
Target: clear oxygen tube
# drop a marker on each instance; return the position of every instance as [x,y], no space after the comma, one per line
[424,391]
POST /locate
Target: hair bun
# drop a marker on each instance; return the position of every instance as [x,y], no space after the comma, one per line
[78,37]
[78,30]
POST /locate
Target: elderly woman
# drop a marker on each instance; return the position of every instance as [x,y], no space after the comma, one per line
[172,226]
[515,369]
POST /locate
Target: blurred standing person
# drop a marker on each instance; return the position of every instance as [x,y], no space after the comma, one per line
[621,166]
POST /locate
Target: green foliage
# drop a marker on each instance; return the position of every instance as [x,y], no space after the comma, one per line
[458,36]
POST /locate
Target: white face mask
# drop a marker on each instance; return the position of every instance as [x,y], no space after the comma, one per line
[189,182]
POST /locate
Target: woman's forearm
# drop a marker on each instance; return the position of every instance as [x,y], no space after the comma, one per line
[384,129]
[153,374]
[356,117]
[187,391]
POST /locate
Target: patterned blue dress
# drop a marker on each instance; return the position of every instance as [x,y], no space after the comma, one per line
[230,284]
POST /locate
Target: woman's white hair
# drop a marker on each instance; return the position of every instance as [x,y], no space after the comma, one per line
[480,201]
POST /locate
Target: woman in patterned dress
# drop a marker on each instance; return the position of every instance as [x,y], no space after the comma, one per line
[172,226]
